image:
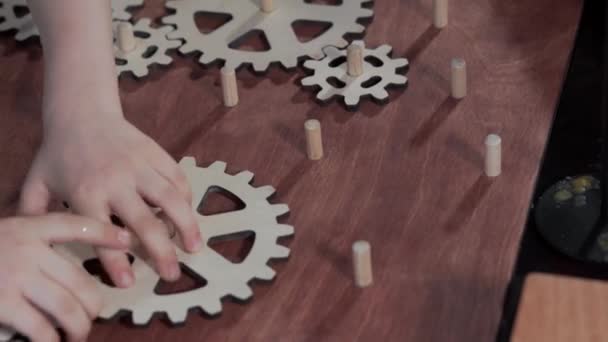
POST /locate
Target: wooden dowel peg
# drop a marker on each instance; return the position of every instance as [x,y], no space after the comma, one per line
[362,263]
[229,87]
[354,58]
[440,13]
[314,140]
[493,155]
[267,6]
[125,38]
[459,78]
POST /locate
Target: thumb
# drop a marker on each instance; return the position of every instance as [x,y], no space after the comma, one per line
[35,197]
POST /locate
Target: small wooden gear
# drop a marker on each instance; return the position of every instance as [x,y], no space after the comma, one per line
[151,46]
[15,15]
[330,74]
[223,277]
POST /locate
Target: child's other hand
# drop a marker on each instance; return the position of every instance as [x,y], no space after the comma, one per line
[38,285]
[103,165]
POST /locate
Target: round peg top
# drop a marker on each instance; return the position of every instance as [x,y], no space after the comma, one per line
[493,140]
[312,125]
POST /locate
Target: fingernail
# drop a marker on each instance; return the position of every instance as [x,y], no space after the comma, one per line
[126,279]
[174,272]
[196,243]
[124,237]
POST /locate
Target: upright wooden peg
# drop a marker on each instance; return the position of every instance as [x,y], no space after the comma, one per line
[354,58]
[459,78]
[440,13]
[267,6]
[493,155]
[314,141]
[229,87]
[362,263]
[125,38]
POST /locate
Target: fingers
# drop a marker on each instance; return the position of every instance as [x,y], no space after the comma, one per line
[61,228]
[20,315]
[151,231]
[35,197]
[74,279]
[114,262]
[60,304]
[162,194]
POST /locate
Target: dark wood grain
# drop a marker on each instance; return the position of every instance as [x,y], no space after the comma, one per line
[406,176]
[562,309]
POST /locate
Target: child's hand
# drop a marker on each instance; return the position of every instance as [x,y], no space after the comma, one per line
[103,165]
[38,287]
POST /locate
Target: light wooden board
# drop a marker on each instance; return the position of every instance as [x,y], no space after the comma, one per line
[562,309]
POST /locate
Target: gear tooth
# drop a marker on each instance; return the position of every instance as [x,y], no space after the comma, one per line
[279,209]
[141,317]
[245,176]
[174,44]
[289,63]
[164,59]
[170,19]
[140,71]
[351,100]
[280,251]
[261,67]
[384,49]
[265,273]
[308,81]
[186,48]
[380,94]
[144,22]
[206,58]
[187,162]
[266,191]
[219,166]
[171,4]
[399,79]
[177,316]
[342,43]
[400,62]
[284,230]
[108,312]
[325,95]
[358,28]
[365,13]
[242,292]
[212,307]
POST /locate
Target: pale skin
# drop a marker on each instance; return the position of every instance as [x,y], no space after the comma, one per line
[44,287]
[94,159]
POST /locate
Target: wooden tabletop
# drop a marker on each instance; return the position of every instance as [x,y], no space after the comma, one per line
[407,176]
[562,309]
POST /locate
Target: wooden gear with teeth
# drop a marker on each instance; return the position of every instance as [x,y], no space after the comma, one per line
[151,46]
[380,71]
[246,17]
[223,277]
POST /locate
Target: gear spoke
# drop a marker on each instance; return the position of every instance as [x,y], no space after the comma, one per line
[229,223]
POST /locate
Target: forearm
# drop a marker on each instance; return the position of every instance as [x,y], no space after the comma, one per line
[79,63]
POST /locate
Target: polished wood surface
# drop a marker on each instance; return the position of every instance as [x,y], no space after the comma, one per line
[562,309]
[407,176]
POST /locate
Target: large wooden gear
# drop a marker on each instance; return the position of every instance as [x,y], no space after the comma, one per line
[14,15]
[377,64]
[224,278]
[246,17]
[151,48]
